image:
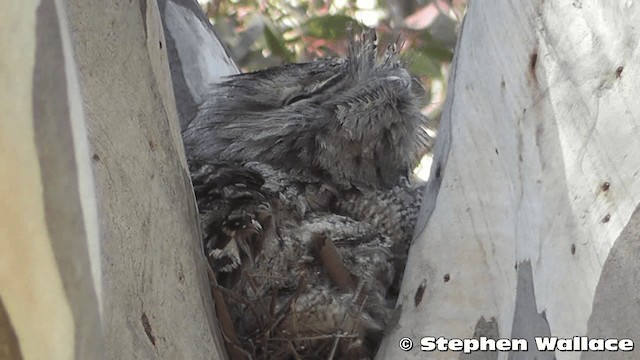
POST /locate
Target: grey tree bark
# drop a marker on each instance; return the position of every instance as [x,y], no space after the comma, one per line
[196,57]
[156,292]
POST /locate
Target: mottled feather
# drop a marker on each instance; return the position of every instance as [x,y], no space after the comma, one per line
[301,176]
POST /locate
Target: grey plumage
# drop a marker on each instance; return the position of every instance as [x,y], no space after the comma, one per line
[301,176]
[391,212]
[351,122]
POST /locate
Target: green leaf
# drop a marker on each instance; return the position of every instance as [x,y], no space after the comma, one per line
[437,53]
[434,48]
[276,43]
[330,27]
[423,64]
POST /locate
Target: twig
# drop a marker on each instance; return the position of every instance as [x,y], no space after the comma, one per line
[318,337]
[292,351]
[226,324]
[235,296]
[332,261]
[236,349]
[361,300]
[334,348]
[284,311]
[254,287]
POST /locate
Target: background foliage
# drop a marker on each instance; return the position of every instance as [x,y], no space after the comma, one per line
[266,33]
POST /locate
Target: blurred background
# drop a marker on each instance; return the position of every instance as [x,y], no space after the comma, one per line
[265,33]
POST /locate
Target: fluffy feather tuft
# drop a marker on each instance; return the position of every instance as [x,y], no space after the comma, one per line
[352,123]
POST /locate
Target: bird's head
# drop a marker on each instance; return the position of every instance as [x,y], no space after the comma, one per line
[352,122]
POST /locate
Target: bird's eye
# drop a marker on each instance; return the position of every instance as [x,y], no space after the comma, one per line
[296,98]
[417,87]
[403,81]
[310,91]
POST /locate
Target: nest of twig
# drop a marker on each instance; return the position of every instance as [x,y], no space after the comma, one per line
[277,328]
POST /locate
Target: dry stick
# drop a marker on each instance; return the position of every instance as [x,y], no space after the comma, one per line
[318,337]
[272,305]
[263,337]
[334,348]
[239,299]
[361,300]
[265,334]
[292,350]
[246,354]
[339,275]
[254,287]
[272,313]
[332,261]
[226,324]
[284,311]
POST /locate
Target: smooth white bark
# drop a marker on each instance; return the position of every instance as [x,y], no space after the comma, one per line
[156,296]
[534,179]
[50,283]
[196,57]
